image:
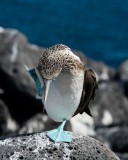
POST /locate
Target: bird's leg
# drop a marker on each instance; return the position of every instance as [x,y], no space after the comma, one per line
[39,85]
[62,125]
[59,135]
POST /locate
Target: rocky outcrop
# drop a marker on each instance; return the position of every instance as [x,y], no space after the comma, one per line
[38,146]
[20,112]
[110,107]
[123,72]
[7,124]
[19,91]
[103,72]
[115,137]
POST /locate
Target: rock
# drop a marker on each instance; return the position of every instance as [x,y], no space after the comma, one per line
[38,146]
[110,106]
[83,124]
[123,156]
[116,138]
[19,88]
[35,124]
[123,72]
[7,125]
[4,115]
[103,72]
[40,122]
[17,91]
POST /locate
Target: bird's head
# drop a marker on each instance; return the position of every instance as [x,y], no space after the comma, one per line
[52,61]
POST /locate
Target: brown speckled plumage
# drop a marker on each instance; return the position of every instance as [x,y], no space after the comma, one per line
[56,58]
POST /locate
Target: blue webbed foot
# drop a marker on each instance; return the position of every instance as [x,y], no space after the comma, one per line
[59,135]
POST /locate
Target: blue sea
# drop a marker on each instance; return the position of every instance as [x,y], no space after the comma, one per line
[99,28]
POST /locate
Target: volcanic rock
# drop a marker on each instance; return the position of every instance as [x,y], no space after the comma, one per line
[38,146]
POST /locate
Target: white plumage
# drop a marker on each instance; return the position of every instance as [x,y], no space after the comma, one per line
[64,96]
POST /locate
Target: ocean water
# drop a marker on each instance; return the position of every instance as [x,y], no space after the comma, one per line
[96,27]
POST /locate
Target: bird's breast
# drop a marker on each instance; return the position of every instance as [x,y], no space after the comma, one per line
[64,96]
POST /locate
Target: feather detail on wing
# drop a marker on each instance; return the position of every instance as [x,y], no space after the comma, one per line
[89,91]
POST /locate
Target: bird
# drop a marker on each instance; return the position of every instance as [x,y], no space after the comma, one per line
[65,85]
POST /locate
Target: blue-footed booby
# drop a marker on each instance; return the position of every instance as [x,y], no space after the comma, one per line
[67,87]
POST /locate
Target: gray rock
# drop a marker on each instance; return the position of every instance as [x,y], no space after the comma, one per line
[7,125]
[123,72]
[15,52]
[123,156]
[19,88]
[103,72]
[115,137]
[40,122]
[110,106]
[4,115]
[83,124]
[35,124]
[39,147]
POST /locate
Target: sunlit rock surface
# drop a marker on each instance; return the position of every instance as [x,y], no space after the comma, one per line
[39,147]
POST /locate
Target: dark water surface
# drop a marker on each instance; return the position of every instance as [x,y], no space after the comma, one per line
[97,27]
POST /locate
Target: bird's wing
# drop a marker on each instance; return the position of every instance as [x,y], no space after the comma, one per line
[89,91]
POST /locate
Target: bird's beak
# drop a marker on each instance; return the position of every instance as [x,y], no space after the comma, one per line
[46,87]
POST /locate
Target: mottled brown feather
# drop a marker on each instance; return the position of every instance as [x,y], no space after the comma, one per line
[89,91]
